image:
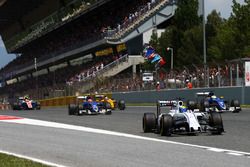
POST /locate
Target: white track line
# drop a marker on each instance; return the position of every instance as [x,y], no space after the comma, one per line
[106,132]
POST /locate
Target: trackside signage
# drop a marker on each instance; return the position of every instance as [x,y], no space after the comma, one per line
[247,73]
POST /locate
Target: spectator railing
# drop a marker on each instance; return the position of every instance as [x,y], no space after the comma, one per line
[143,14]
[106,68]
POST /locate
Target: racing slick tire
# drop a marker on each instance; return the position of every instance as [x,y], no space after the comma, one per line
[121,105]
[72,109]
[148,122]
[215,121]
[15,106]
[235,104]
[166,124]
[191,105]
[107,107]
[38,106]
[203,105]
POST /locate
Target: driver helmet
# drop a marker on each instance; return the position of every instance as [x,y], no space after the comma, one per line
[89,99]
[213,97]
[26,97]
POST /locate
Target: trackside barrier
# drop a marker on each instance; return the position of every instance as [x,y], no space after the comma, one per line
[229,93]
[63,101]
[60,101]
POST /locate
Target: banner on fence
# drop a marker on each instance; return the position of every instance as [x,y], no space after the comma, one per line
[247,73]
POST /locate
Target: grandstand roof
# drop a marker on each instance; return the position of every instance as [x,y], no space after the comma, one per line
[12,10]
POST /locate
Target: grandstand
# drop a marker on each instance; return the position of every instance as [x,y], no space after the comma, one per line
[68,46]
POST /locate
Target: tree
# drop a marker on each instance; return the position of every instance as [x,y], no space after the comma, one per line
[240,23]
[213,26]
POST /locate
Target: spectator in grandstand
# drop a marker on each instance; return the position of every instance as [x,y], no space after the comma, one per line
[189,84]
[158,86]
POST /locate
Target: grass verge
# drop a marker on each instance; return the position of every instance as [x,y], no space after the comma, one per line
[12,161]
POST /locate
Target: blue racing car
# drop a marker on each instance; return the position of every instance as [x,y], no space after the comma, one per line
[85,105]
[209,100]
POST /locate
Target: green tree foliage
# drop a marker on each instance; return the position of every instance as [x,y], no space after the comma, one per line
[240,23]
[225,39]
[213,26]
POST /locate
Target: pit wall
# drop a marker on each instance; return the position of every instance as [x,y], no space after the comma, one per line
[240,93]
[63,101]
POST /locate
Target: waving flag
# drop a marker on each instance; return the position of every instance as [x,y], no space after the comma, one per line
[149,52]
[153,57]
[162,62]
[156,58]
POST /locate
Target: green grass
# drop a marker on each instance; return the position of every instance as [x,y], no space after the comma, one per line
[140,104]
[245,106]
[12,161]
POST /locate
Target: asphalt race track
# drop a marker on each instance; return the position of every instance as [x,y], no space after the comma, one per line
[83,147]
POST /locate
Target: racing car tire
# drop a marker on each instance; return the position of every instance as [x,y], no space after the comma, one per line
[15,106]
[215,121]
[107,107]
[148,122]
[72,109]
[121,105]
[235,103]
[38,106]
[203,105]
[191,105]
[166,124]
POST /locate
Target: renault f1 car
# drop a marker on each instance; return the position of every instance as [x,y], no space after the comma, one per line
[25,103]
[220,104]
[86,106]
[113,103]
[181,119]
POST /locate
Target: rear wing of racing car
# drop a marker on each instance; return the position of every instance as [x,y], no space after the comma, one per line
[203,94]
[80,98]
[166,103]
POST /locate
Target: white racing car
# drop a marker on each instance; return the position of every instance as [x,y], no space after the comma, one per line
[181,119]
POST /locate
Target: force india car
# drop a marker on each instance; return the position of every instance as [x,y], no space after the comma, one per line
[181,119]
[208,100]
[86,106]
[113,103]
[24,103]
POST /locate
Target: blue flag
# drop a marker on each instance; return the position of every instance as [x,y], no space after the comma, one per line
[156,58]
[149,52]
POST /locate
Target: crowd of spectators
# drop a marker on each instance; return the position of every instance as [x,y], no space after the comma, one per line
[62,79]
[90,27]
[186,78]
[90,69]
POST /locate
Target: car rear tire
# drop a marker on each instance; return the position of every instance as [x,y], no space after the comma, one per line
[203,105]
[191,105]
[235,104]
[166,124]
[72,109]
[107,107]
[121,105]
[148,122]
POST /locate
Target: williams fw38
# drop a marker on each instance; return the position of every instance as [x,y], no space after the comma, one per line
[181,119]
